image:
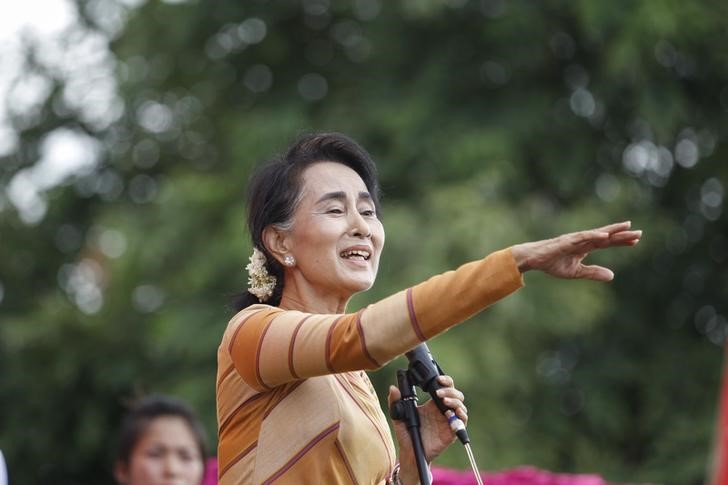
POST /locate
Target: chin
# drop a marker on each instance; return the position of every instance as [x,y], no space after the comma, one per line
[359,286]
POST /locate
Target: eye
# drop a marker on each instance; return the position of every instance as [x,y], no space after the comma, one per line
[368,213]
[186,455]
[155,452]
[335,210]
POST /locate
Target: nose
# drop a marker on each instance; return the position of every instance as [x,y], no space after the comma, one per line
[359,227]
[172,465]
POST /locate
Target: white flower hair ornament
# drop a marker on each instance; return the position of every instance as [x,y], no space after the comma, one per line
[260,282]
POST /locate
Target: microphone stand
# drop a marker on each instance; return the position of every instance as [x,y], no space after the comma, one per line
[406,410]
[423,371]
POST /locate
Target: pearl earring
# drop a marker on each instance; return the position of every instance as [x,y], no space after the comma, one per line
[289,260]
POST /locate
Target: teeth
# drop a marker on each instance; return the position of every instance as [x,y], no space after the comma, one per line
[356,252]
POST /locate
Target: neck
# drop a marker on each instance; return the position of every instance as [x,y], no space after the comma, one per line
[306,298]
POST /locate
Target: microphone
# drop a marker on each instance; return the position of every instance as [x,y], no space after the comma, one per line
[424,371]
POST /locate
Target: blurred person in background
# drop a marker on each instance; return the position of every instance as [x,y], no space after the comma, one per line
[294,403]
[161,442]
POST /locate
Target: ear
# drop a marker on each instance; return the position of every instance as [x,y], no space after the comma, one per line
[277,242]
[121,472]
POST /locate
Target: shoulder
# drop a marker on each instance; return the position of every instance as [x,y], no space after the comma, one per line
[248,318]
[259,307]
[260,315]
[255,314]
[252,312]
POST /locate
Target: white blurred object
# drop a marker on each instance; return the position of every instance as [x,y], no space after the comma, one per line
[3,470]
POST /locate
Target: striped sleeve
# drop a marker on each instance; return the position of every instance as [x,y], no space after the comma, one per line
[275,346]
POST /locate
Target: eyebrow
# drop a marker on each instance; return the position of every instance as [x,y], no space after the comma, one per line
[342,196]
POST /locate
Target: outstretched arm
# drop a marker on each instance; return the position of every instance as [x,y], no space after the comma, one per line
[562,256]
[302,345]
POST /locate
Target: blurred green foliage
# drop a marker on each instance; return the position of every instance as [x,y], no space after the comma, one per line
[493,122]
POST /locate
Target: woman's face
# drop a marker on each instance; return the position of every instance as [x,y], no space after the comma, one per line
[336,237]
[166,454]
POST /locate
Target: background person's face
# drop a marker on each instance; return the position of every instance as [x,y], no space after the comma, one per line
[336,236]
[167,454]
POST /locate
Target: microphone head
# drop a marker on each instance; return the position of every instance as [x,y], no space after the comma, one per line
[422,368]
[421,351]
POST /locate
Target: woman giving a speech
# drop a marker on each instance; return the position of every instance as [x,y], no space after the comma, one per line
[294,403]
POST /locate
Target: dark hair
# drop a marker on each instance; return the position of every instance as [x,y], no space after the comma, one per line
[148,409]
[275,190]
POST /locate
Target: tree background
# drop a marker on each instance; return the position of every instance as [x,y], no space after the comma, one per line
[492,121]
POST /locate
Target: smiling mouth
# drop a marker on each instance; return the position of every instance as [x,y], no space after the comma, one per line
[356,254]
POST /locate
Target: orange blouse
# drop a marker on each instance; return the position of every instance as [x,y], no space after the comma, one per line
[293,402]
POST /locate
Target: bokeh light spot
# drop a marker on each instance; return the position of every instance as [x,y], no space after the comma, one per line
[711,199]
[607,187]
[582,103]
[653,162]
[495,72]
[252,30]
[109,185]
[82,282]
[686,153]
[147,298]
[143,189]
[155,117]
[258,78]
[313,87]
[111,242]
[367,9]
[316,7]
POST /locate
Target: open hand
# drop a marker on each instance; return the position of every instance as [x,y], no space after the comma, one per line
[562,256]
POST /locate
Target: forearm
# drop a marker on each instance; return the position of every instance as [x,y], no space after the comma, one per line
[455,296]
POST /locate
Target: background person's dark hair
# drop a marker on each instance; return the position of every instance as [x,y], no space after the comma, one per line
[275,189]
[146,410]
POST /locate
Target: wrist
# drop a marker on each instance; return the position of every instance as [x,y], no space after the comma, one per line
[408,473]
[408,476]
[520,254]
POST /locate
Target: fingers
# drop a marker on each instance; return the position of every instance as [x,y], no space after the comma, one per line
[617,227]
[625,238]
[582,238]
[394,395]
[450,393]
[596,273]
[452,397]
[446,381]
[619,235]
[449,389]
[632,242]
[586,241]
